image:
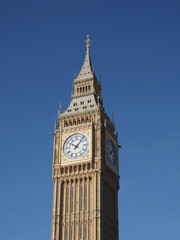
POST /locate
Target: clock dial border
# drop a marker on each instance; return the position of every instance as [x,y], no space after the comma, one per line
[111,155]
[86,157]
[115,167]
[76,146]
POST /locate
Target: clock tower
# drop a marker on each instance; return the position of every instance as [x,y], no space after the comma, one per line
[85,165]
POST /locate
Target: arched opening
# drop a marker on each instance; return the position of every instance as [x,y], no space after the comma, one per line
[84,167]
[89,166]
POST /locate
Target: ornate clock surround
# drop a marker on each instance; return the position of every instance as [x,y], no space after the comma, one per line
[86,130]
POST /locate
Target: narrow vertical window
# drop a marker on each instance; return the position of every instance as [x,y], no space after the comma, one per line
[67,202]
[86,197]
[81,198]
[72,199]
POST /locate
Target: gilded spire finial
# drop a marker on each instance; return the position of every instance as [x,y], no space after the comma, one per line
[87,41]
[60,106]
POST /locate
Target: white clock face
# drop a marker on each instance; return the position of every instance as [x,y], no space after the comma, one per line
[76,146]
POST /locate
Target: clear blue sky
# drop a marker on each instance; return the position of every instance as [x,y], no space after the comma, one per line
[135,48]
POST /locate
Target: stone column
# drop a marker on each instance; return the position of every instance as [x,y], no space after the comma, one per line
[54,210]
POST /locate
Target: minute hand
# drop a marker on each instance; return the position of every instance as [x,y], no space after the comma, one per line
[79,142]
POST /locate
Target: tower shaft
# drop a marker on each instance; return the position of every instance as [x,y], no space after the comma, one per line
[85,165]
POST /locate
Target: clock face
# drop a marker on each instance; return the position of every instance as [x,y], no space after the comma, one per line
[76,146]
[111,154]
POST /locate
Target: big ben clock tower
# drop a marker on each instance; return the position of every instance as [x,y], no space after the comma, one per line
[85,165]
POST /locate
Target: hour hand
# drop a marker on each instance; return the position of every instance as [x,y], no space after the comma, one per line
[75,146]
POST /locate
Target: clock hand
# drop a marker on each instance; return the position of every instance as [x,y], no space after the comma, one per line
[73,146]
[79,142]
[110,152]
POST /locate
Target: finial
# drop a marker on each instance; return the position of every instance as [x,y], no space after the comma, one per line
[74,76]
[87,41]
[60,106]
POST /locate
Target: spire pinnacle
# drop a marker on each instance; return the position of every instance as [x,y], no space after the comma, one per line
[60,106]
[88,41]
[87,71]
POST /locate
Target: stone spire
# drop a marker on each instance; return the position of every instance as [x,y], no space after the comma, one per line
[86,95]
[87,68]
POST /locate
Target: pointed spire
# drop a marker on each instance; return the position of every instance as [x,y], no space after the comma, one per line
[87,68]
